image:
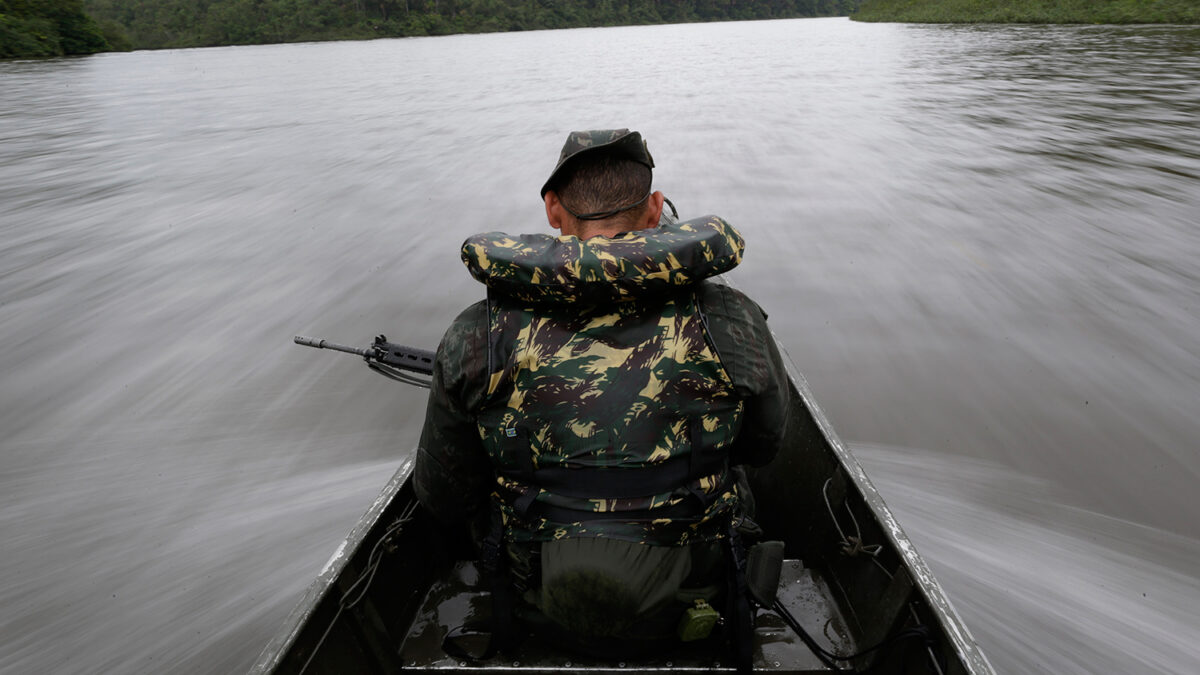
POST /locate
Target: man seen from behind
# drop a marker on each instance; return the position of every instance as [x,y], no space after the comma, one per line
[589,419]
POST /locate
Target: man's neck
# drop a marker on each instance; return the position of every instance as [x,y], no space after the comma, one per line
[589,229]
[645,218]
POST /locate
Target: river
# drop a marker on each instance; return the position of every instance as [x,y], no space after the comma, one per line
[980,245]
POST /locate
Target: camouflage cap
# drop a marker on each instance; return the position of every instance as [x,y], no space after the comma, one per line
[620,142]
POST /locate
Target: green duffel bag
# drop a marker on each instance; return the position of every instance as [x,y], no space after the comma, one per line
[608,597]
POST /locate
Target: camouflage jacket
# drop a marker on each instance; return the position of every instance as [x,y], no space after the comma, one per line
[603,388]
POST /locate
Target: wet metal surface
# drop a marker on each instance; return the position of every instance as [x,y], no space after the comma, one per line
[459,599]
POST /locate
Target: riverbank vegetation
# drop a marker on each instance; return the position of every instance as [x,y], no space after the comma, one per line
[48,28]
[1030,11]
[153,24]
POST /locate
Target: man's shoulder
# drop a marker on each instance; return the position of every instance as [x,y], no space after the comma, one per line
[470,319]
[738,327]
[462,353]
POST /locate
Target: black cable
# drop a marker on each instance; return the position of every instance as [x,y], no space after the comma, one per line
[674,213]
[829,658]
[824,656]
[367,576]
[399,376]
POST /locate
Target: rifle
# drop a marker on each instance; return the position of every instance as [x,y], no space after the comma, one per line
[386,358]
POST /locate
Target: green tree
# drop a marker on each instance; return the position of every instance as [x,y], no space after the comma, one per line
[154,24]
[47,28]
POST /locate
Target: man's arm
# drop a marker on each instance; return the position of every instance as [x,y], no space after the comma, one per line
[453,475]
[748,351]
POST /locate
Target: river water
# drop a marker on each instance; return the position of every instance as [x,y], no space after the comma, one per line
[980,245]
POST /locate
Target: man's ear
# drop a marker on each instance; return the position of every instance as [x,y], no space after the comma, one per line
[654,213]
[555,213]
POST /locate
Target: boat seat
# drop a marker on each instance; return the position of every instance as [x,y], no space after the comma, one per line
[460,596]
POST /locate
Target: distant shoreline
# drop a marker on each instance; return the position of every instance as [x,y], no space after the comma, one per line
[1031,11]
[168,24]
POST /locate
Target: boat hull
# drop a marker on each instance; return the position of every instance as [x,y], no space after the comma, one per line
[395,585]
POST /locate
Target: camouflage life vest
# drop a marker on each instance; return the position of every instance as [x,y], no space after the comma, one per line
[608,412]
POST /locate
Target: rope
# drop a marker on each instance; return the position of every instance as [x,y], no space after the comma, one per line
[852,545]
[364,578]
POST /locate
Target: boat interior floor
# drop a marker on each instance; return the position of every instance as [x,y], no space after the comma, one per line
[459,598]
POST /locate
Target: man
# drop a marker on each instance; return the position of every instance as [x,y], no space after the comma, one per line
[589,418]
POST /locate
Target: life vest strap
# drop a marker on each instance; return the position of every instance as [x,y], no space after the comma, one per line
[617,482]
[688,509]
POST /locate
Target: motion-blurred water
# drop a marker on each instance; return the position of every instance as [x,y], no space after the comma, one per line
[979,243]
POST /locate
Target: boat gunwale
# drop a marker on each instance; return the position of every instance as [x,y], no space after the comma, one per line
[284,639]
[931,590]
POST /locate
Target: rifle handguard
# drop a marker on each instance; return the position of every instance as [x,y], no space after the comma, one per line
[402,356]
[384,357]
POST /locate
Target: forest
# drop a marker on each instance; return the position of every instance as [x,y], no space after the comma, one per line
[62,27]
[48,28]
[157,24]
[1031,11]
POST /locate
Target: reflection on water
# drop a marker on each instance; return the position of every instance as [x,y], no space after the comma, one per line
[976,241]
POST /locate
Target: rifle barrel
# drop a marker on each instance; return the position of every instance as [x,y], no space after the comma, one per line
[326,344]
